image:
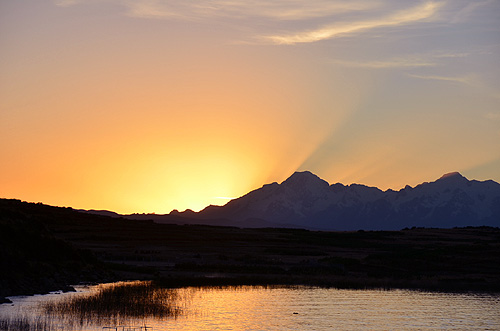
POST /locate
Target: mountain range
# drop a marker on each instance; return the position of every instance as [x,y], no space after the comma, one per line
[306,201]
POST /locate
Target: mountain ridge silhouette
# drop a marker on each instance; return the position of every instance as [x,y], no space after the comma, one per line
[304,200]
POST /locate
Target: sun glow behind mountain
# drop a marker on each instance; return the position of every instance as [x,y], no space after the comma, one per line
[152,106]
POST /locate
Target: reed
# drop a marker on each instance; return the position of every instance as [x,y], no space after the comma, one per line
[24,323]
[118,302]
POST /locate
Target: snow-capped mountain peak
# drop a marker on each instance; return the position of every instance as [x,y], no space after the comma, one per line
[306,201]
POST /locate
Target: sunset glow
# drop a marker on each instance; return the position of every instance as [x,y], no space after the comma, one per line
[149,106]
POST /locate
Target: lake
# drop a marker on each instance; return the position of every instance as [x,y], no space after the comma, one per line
[284,308]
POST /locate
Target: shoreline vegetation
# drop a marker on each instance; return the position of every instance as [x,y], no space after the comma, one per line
[120,306]
[46,248]
[118,302]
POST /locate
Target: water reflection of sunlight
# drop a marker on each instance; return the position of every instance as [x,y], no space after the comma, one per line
[303,308]
[234,308]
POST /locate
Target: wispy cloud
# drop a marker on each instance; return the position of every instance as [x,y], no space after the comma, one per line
[393,63]
[294,9]
[457,79]
[473,80]
[419,13]
[463,14]
[450,55]
[277,10]
[432,59]
[282,14]
[65,3]
[152,9]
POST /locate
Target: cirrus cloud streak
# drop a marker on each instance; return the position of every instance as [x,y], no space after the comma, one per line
[394,63]
[458,79]
[422,12]
[293,10]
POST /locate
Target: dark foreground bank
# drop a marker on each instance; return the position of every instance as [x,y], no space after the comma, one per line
[44,248]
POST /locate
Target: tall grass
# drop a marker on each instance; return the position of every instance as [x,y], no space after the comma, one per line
[119,302]
[107,305]
[24,323]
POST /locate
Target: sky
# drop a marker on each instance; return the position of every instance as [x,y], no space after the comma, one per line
[142,106]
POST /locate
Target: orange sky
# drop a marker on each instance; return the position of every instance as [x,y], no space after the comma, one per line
[150,106]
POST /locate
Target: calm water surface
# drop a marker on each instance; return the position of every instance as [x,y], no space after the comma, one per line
[302,308]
